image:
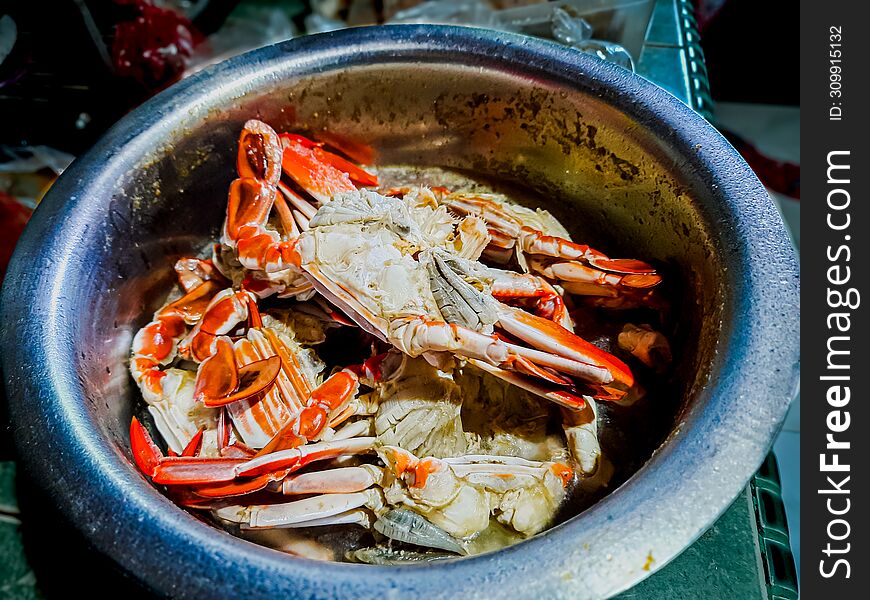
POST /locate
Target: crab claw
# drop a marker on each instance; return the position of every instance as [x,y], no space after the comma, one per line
[259,155]
[196,471]
[552,337]
[219,381]
[194,445]
[355,173]
[146,454]
[217,376]
[307,167]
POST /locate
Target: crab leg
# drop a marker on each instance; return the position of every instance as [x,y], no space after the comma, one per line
[317,510]
[416,335]
[318,172]
[156,344]
[334,481]
[296,458]
[578,278]
[193,471]
[555,339]
[558,394]
[508,231]
[330,396]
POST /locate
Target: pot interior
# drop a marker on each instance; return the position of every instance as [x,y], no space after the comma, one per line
[608,179]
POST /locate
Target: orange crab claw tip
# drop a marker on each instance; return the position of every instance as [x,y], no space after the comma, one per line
[194,444]
[253,378]
[527,367]
[641,281]
[622,265]
[563,472]
[610,394]
[146,454]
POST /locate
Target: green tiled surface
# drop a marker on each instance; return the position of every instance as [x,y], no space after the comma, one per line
[16,579]
[723,563]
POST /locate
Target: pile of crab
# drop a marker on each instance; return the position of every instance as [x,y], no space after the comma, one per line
[438,441]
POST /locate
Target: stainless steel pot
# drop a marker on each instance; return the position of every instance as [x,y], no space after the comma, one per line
[617,158]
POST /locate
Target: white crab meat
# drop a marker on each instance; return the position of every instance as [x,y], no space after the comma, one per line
[419,409]
[460,495]
[179,417]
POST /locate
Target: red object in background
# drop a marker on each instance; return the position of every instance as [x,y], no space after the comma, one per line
[13,218]
[154,47]
[779,176]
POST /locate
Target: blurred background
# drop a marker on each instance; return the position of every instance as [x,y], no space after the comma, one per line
[69,69]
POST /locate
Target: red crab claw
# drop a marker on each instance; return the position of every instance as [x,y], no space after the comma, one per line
[308,168]
[194,445]
[259,155]
[146,454]
[355,173]
[196,471]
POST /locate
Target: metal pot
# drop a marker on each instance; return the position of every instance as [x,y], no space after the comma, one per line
[617,158]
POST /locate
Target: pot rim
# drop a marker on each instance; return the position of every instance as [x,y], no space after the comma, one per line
[699,470]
